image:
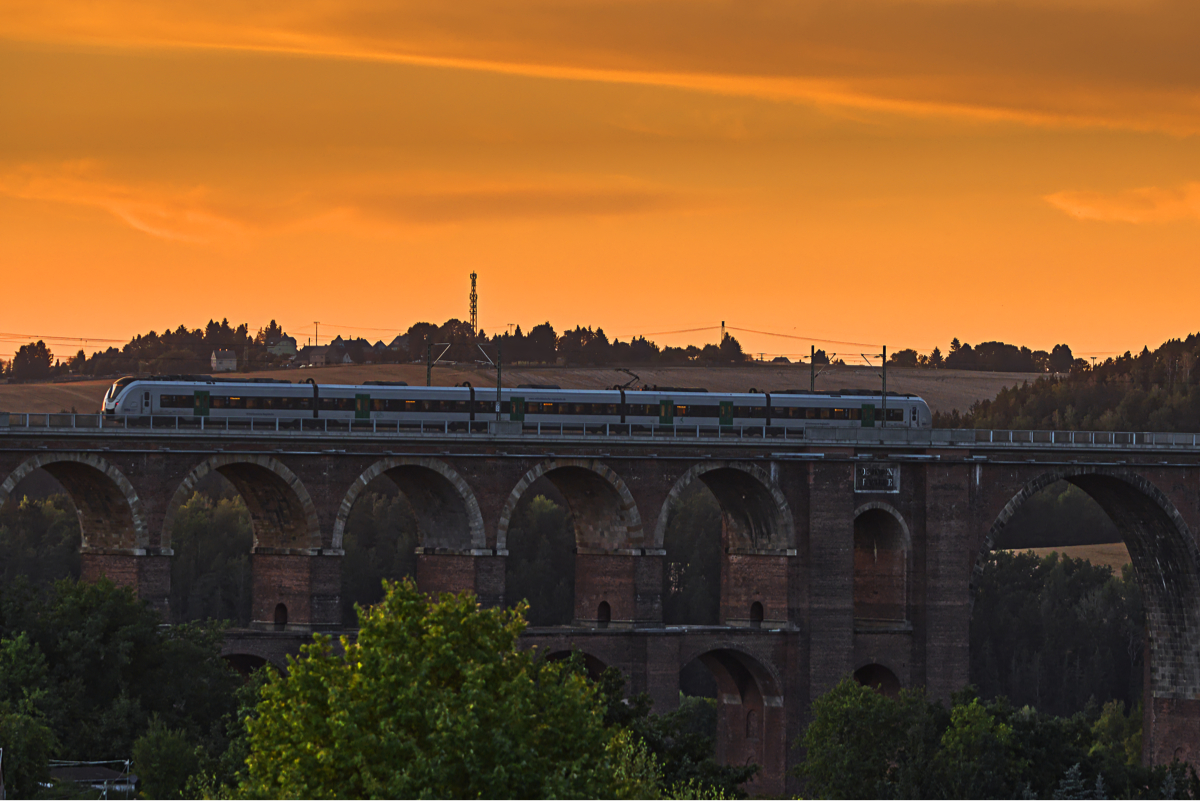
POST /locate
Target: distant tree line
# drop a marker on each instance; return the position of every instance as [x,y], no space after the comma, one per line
[995,357]
[1153,391]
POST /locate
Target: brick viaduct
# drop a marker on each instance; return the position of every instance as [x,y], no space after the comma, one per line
[853,554]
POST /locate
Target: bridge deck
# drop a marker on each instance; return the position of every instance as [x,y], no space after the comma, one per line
[318,430]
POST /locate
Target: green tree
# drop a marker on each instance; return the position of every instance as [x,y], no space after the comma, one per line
[433,699]
[110,665]
[210,572]
[860,743]
[164,759]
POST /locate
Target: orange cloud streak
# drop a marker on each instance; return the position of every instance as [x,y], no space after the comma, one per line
[1149,204]
[1119,64]
[193,215]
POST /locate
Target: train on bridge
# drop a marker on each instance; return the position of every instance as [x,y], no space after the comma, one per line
[286,402]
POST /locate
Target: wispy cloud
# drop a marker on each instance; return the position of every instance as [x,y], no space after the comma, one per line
[1150,204]
[199,214]
[178,214]
[1044,62]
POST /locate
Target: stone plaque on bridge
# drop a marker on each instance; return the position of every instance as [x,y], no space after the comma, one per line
[876,478]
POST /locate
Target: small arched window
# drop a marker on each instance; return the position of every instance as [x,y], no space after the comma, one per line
[280,616]
[756,614]
[603,615]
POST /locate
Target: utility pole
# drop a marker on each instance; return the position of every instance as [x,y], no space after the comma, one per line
[884,357]
[317,338]
[722,333]
[499,373]
[474,307]
[812,369]
[429,364]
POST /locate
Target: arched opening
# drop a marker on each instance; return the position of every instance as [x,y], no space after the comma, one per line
[245,664]
[398,508]
[738,704]
[605,534]
[108,509]
[603,615]
[39,532]
[285,533]
[281,617]
[727,531]
[592,664]
[878,678]
[1088,613]
[880,567]
[756,615]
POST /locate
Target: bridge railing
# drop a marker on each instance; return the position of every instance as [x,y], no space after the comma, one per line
[956,437]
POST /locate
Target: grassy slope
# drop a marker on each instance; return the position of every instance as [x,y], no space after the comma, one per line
[943,389]
[1113,554]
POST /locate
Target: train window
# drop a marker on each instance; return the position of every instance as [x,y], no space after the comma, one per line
[913,416]
[895,415]
[177,401]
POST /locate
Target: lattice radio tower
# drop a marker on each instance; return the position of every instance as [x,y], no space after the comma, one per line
[474,307]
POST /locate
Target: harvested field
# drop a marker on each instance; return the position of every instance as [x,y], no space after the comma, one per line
[943,389]
[1113,554]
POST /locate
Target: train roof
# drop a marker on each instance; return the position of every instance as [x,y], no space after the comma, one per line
[865,394]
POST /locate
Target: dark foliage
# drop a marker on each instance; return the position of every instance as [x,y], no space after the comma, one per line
[692,569]
[541,561]
[380,542]
[1152,391]
[39,540]
[684,741]
[1057,633]
[862,744]
[93,665]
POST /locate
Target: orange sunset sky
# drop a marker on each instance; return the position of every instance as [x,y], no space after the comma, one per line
[879,171]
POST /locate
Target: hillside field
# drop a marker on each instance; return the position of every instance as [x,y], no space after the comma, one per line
[1113,554]
[945,390]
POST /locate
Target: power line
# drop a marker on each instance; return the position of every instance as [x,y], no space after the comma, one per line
[804,339]
[23,337]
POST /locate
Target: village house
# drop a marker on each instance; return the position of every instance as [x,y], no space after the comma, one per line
[224,361]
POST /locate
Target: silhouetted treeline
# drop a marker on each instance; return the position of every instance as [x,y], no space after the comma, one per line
[1152,391]
[996,357]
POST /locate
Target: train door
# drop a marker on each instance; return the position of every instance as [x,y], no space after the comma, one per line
[666,412]
[362,407]
[200,403]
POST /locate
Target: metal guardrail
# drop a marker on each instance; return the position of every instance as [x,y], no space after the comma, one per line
[121,425]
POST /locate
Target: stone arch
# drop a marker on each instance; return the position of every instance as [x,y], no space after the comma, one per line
[879,677]
[751,725]
[446,509]
[755,513]
[282,513]
[606,516]
[110,512]
[593,664]
[882,548]
[1165,558]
